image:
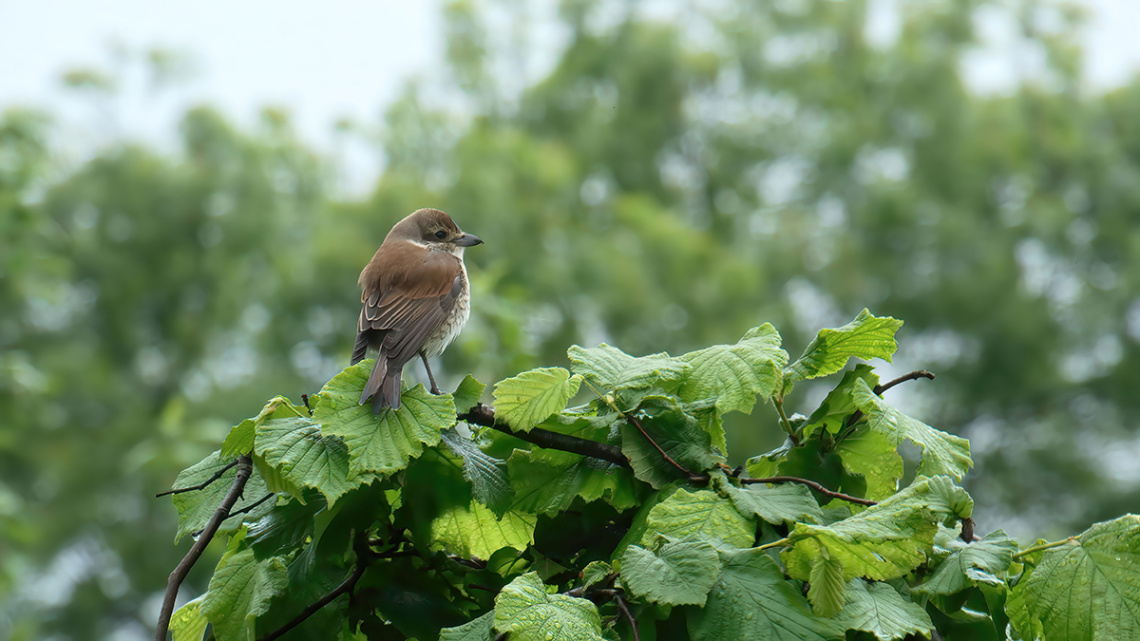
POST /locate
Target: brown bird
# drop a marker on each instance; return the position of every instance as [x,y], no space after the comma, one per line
[415,299]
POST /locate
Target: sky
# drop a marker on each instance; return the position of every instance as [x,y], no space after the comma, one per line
[344,58]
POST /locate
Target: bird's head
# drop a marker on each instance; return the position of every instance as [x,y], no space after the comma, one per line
[433,229]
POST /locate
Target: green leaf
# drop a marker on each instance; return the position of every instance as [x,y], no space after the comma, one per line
[481,629]
[296,448]
[833,413]
[188,623]
[879,609]
[525,610]
[195,508]
[1084,590]
[531,397]
[285,528]
[773,503]
[240,439]
[702,514]
[751,600]
[468,394]
[487,474]
[885,541]
[609,368]
[873,456]
[674,432]
[241,590]
[969,564]
[547,481]
[827,589]
[735,374]
[942,453]
[865,337]
[676,573]
[595,572]
[385,443]
[476,531]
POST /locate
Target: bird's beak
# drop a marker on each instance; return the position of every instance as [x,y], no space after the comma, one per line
[469,240]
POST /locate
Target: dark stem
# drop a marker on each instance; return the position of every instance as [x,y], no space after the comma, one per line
[305,400]
[363,557]
[813,485]
[244,469]
[249,508]
[217,475]
[628,616]
[485,416]
[916,374]
[684,470]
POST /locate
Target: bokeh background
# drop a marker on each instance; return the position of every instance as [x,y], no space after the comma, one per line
[188,193]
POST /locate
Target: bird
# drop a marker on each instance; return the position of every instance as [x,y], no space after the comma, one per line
[415,299]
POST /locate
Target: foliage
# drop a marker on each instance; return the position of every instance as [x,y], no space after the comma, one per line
[402,525]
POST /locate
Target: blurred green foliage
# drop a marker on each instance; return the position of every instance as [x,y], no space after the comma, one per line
[667,185]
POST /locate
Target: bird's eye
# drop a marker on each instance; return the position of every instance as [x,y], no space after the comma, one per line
[441,234]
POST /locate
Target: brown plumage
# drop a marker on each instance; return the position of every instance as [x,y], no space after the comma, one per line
[415,300]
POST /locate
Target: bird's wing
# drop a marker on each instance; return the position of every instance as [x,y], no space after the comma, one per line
[409,305]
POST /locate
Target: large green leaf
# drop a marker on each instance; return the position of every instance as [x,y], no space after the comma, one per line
[773,503]
[240,438]
[528,399]
[838,406]
[196,508]
[678,436]
[735,374]
[242,589]
[751,600]
[826,589]
[702,514]
[296,448]
[385,443]
[672,573]
[885,541]
[487,474]
[865,337]
[969,564]
[528,613]
[547,481]
[609,368]
[879,609]
[1084,590]
[477,531]
[942,453]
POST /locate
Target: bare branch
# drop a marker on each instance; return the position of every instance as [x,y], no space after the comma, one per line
[244,469]
[485,416]
[201,486]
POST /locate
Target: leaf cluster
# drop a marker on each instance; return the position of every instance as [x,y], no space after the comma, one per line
[424,523]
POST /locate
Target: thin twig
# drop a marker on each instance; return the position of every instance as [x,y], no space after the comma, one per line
[485,416]
[916,374]
[249,508]
[244,469]
[628,616]
[813,485]
[363,557]
[684,470]
[784,422]
[305,400]
[201,486]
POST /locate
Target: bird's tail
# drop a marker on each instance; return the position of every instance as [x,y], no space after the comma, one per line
[383,386]
[360,349]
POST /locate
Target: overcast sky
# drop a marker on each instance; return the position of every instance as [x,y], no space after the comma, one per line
[334,58]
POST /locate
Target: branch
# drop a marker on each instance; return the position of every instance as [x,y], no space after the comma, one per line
[628,616]
[244,469]
[485,416]
[916,374]
[1043,546]
[813,485]
[363,557]
[201,486]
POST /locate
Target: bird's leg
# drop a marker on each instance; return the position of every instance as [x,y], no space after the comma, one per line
[434,387]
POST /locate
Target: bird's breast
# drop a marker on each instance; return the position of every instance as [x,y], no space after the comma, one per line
[454,323]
